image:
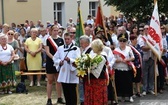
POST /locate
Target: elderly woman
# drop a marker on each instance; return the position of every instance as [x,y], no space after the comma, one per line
[7,78]
[33,46]
[123,74]
[96,90]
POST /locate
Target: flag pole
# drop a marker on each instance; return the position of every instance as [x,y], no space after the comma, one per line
[155,67]
[79,26]
[114,88]
[103,19]
[77,86]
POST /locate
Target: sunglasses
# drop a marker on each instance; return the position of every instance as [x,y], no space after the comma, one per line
[140,30]
[145,28]
[72,32]
[162,28]
[10,34]
[122,40]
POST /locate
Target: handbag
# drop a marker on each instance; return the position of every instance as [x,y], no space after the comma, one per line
[16,57]
[22,65]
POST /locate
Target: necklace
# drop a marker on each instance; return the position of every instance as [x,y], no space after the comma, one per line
[4,47]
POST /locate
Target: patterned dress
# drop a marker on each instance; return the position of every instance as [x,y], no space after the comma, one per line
[95,92]
[7,77]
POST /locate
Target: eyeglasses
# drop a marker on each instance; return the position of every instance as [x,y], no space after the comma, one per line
[140,30]
[162,28]
[122,40]
[72,32]
[10,34]
[145,28]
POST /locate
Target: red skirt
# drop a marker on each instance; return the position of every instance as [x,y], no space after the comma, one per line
[95,92]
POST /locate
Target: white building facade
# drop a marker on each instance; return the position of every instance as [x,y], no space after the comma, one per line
[62,10]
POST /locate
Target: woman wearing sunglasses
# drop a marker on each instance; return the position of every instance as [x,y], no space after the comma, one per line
[15,45]
[123,72]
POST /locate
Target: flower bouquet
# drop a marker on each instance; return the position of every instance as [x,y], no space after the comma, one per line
[86,64]
[83,63]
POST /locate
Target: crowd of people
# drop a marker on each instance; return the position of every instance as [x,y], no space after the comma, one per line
[121,44]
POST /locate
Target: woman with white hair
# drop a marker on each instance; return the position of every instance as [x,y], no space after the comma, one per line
[95,86]
[33,47]
[7,78]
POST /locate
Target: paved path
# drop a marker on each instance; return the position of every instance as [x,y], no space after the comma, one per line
[160,99]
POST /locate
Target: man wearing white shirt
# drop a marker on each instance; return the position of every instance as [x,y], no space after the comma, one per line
[90,20]
[26,27]
[63,60]
[56,23]
[115,41]
[43,36]
[148,64]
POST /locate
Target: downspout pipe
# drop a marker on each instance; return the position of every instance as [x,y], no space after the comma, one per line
[2,5]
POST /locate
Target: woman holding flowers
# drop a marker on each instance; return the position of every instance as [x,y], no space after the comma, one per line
[95,82]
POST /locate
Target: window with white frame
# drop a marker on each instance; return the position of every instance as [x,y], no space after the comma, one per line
[93,8]
[59,12]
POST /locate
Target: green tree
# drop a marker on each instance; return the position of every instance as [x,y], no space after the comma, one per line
[138,8]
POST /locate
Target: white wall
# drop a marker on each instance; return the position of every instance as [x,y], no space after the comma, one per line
[47,11]
[0,12]
[70,10]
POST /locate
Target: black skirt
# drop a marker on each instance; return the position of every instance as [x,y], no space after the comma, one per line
[138,77]
[50,69]
[123,81]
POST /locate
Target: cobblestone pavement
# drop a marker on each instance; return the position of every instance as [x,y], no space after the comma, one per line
[149,99]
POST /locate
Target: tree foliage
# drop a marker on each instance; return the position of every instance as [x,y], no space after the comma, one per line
[138,8]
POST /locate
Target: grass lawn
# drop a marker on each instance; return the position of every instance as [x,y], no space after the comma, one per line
[36,96]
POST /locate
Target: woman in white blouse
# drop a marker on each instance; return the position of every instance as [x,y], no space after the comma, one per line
[7,78]
[123,72]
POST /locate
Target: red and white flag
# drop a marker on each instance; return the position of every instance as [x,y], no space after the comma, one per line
[155,36]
